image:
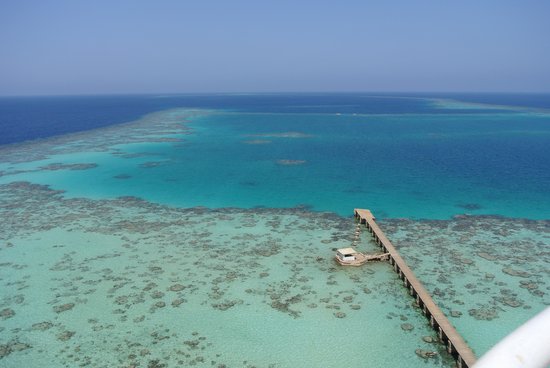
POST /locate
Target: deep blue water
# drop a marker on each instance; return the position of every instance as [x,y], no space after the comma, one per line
[400,155]
[28,118]
[423,166]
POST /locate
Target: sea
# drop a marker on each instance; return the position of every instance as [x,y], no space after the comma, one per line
[199,230]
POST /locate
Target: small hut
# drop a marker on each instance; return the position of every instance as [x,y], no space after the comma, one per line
[350,257]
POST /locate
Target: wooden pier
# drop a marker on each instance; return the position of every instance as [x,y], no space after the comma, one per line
[448,335]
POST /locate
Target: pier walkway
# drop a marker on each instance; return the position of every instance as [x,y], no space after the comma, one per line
[448,335]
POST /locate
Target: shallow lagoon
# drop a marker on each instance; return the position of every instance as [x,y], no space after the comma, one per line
[421,166]
[94,283]
[488,274]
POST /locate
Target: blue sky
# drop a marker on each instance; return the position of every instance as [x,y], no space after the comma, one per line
[90,47]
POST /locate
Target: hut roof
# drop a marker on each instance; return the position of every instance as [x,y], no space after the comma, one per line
[346,251]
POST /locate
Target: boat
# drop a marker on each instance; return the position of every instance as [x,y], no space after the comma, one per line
[351,257]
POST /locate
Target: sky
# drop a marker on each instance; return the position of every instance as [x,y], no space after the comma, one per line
[167,46]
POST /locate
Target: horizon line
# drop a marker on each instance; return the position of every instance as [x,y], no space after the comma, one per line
[270,93]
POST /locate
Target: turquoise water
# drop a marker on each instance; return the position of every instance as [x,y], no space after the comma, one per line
[205,236]
[489,274]
[126,282]
[414,166]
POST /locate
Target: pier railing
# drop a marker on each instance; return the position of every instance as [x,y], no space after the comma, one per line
[456,346]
